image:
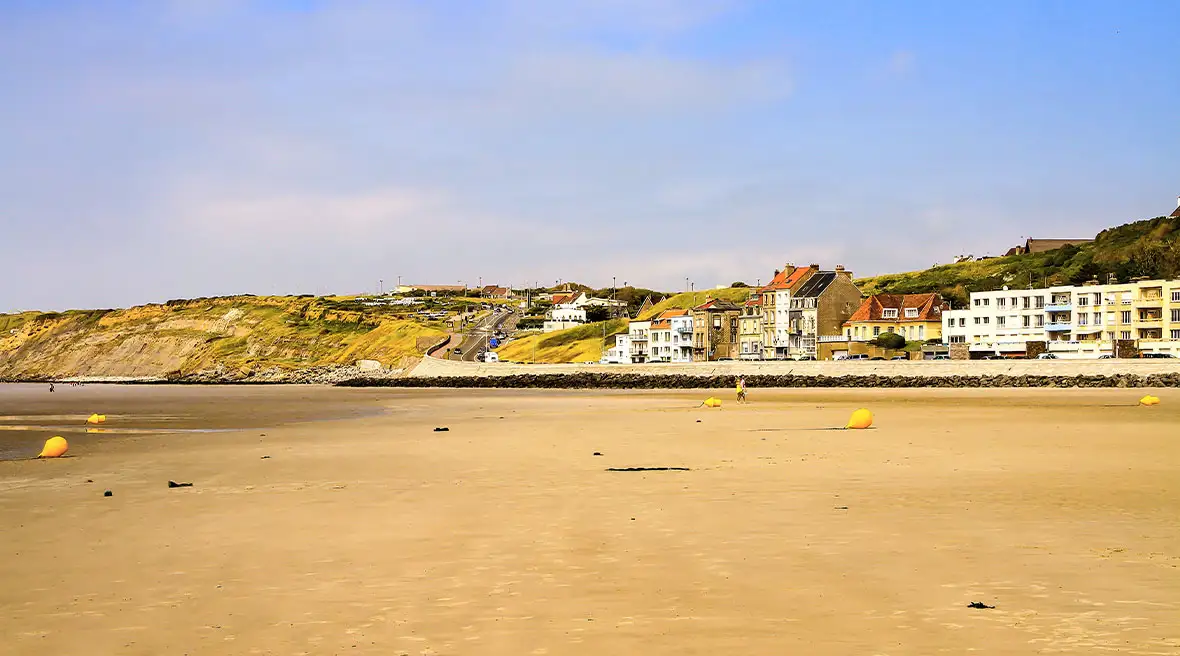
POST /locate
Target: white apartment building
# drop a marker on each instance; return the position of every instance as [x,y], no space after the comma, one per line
[671,337]
[620,353]
[1077,321]
[639,339]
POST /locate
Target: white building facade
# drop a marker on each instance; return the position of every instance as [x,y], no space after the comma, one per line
[1076,321]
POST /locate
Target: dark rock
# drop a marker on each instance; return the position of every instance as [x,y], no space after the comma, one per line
[265,458]
[175,484]
[597,453]
[978,604]
[108,493]
[441,429]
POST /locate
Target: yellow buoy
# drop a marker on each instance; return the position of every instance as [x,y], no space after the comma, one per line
[860,419]
[1149,400]
[102,419]
[93,419]
[54,447]
[712,402]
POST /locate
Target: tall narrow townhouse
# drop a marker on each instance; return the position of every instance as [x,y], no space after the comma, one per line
[818,309]
[776,306]
[639,338]
[750,333]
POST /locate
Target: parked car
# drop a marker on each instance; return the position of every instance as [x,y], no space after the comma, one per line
[858,356]
[725,359]
[457,351]
[1106,356]
[1155,356]
[805,358]
[1046,356]
[900,357]
[878,358]
[941,357]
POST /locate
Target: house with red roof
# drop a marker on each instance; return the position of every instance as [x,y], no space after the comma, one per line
[917,317]
[776,303]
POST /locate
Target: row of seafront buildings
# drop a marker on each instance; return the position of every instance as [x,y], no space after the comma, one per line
[806,312]
[803,313]
[1075,321]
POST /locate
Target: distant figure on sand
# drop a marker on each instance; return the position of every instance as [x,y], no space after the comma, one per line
[50,387]
[741,390]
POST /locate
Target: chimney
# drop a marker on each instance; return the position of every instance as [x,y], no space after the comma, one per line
[841,272]
[813,267]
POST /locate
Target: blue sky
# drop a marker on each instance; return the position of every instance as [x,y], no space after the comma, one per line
[182,148]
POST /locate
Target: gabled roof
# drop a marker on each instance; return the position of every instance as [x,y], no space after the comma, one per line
[815,285]
[675,312]
[929,306]
[1175,213]
[754,301]
[661,323]
[719,304]
[565,297]
[787,280]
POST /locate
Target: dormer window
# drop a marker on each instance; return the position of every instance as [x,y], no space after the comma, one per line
[911,313]
[889,313]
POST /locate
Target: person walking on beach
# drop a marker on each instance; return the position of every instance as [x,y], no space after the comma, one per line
[741,390]
[51,387]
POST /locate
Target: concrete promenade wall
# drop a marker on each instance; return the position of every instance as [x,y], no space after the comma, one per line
[435,368]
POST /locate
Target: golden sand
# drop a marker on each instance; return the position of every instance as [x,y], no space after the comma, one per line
[374,534]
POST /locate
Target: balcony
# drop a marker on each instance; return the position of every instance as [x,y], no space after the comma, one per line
[1149,319]
[1058,307]
[824,339]
[1149,300]
[684,330]
[1055,327]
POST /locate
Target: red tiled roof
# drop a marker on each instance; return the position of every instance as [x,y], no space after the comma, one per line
[1175,213]
[929,306]
[661,323]
[558,299]
[754,302]
[668,314]
[784,280]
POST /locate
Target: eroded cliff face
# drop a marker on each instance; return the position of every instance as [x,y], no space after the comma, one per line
[236,336]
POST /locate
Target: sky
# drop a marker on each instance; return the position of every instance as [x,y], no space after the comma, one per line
[181,148]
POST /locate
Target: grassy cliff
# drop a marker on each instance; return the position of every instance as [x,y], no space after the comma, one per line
[579,344]
[1148,248]
[688,300]
[235,334]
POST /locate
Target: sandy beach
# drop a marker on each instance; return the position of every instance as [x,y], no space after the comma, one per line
[338,521]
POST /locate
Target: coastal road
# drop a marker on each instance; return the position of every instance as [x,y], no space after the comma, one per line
[473,340]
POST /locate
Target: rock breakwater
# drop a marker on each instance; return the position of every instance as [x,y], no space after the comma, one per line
[661,381]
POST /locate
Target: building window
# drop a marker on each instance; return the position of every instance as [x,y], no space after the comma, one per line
[876,330]
[1082,319]
[921,332]
[1126,316]
[977,302]
[1176,334]
[987,301]
[962,322]
[1024,304]
[957,339]
[1176,296]
[1040,302]
[889,313]
[977,321]
[1026,321]
[1126,334]
[911,313]
[987,319]
[1175,315]
[1000,302]
[999,322]
[1083,301]
[1040,320]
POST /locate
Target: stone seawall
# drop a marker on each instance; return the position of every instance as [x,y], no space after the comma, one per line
[673,381]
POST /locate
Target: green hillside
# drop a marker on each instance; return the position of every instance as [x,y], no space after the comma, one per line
[1149,248]
[688,300]
[579,344]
